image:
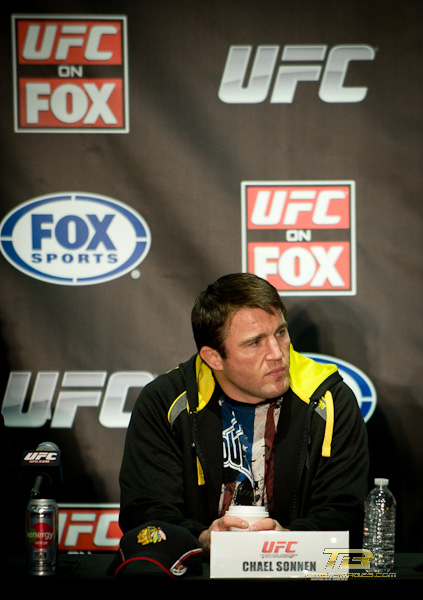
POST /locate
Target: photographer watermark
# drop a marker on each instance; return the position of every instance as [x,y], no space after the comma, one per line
[343,562]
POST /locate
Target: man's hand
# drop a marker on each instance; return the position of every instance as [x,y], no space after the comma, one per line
[224,523]
[267,524]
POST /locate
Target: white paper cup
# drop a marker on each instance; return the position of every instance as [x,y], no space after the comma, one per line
[251,514]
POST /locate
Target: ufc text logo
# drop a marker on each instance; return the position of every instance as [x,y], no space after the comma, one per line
[38,457]
[55,398]
[300,63]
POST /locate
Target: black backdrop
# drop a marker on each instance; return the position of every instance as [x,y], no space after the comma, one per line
[148,106]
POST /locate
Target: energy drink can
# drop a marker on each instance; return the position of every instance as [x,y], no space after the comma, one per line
[41,537]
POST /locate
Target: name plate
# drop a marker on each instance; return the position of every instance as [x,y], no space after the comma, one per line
[278,554]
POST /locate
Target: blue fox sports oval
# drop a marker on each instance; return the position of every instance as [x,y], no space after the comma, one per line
[359,382]
[74,238]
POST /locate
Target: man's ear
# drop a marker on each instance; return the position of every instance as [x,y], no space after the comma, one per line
[212,358]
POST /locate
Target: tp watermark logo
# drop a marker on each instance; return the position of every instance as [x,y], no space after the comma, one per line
[349,557]
[350,563]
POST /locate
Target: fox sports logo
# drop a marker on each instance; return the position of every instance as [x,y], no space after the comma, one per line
[74,238]
[358,381]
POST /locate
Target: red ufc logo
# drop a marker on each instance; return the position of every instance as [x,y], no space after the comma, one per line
[294,207]
[47,41]
[278,546]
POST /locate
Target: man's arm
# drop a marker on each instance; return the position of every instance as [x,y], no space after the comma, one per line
[151,476]
[340,484]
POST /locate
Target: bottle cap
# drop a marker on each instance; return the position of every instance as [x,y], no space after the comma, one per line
[381,481]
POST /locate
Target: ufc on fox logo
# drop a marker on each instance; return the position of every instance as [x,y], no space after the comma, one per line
[53,93]
[300,236]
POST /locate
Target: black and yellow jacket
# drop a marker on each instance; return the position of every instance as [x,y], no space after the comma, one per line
[172,467]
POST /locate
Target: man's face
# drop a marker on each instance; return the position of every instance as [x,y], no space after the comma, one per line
[256,366]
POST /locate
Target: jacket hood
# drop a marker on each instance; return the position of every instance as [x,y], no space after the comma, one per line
[306,377]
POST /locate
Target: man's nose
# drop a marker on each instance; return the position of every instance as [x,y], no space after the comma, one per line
[275,351]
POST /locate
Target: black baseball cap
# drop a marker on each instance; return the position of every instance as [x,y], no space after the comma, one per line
[157,547]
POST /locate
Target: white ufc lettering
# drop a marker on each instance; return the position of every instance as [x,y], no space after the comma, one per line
[93,524]
[88,527]
[78,391]
[64,39]
[332,74]
[269,207]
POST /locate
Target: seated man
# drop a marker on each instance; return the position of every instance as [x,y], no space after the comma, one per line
[247,420]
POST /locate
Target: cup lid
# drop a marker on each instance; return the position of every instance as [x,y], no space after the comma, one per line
[247,510]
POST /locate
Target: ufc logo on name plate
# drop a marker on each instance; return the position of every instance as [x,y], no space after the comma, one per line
[300,236]
[70,74]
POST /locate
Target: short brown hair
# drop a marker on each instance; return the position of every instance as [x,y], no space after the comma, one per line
[227,295]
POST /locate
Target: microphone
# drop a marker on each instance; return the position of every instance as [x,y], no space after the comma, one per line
[46,463]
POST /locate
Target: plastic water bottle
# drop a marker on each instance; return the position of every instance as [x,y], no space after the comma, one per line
[379,526]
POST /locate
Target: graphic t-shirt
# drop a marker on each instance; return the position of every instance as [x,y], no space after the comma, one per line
[248,443]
